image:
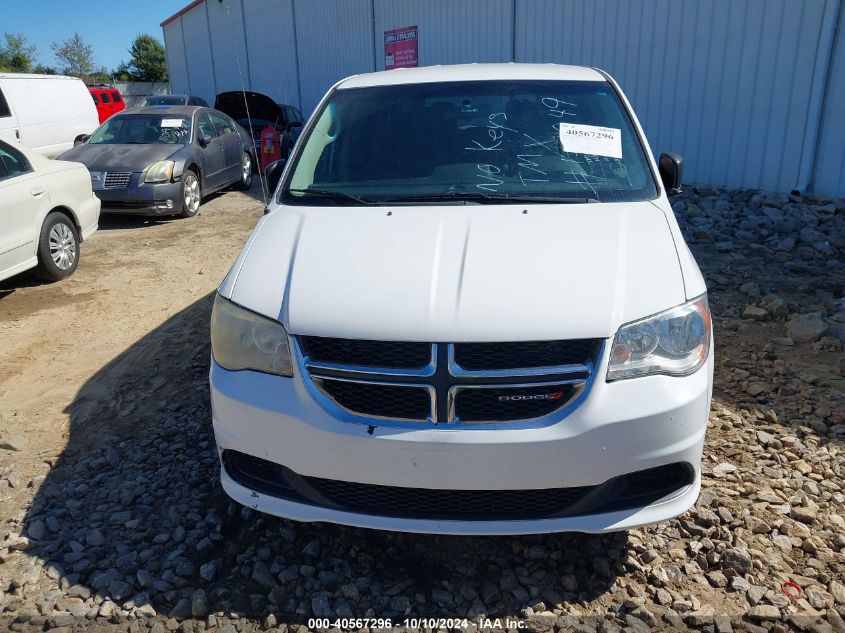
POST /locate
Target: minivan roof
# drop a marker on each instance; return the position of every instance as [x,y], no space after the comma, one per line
[473,72]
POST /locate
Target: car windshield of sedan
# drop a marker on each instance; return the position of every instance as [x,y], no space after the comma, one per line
[169,129]
[479,141]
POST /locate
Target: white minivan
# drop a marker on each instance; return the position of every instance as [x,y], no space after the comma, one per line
[46,113]
[469,309]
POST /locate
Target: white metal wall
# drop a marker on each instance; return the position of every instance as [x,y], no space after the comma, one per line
[830,156]
[736,86]
[726,83]
[334,40]
[450,31]
[271,47]
[177,62]
[228,45]
[198,54]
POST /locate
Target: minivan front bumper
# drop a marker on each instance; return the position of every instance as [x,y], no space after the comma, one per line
[622,427]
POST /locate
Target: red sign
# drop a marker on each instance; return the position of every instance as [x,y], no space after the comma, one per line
[400,48]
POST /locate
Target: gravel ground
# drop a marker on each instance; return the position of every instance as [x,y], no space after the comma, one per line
[127,528]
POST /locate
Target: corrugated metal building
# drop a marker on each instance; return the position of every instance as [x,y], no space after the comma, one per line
[751,92]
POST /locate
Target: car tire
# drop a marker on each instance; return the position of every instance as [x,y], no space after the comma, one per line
[191,194]
[245,181]
[58,247]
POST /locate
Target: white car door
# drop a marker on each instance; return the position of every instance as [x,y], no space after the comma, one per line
[24,200]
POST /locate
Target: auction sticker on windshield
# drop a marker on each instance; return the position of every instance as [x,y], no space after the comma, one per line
[591,139]
[171,123]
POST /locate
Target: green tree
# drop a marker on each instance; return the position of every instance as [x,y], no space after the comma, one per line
[16,55]
[121,73]
[147,59]
[75,57]
[41,69]
[102,76]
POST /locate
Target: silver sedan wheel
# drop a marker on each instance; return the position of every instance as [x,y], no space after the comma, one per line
[246,170]
[191,193]
[62,246]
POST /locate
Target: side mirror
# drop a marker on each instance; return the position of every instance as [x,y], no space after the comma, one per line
[671,167]
[79,140]
[203,139]
[273,174]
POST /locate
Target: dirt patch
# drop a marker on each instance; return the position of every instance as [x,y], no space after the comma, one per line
[134,274]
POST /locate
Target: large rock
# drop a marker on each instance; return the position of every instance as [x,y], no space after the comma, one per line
[199,604]
[764,612]
[806,328]
[754,313]
[738,560]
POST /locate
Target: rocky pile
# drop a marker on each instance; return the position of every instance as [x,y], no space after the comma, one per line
[129,530]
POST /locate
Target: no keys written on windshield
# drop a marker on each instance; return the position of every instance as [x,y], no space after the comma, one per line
[591,155]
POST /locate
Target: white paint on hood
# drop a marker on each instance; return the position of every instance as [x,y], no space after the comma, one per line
[460,273]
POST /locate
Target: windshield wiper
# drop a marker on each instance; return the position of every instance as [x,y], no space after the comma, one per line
[337,195]
[477,196]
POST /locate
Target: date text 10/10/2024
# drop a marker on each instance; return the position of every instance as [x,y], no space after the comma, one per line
[413,623]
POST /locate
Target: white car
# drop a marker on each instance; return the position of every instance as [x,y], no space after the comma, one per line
[47,209]
[470,310]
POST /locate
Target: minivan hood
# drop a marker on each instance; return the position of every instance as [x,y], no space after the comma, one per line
[459,273]
[260,106]
[111,157]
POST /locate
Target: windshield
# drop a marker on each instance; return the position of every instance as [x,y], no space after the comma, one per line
[164,100]
[168,129]
[485,141]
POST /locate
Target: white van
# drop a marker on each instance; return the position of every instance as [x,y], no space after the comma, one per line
[45,112]
[469,309]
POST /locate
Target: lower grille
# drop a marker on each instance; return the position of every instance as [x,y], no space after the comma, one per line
[625,492]
[123,204]
[117,179]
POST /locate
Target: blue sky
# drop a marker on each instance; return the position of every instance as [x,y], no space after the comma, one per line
[109,26]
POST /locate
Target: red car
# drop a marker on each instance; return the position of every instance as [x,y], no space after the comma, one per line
[107,100]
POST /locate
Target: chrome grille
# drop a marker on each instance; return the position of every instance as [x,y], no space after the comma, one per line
[117,179]
[451,384]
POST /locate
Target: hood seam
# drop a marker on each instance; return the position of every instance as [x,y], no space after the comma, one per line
[675,245]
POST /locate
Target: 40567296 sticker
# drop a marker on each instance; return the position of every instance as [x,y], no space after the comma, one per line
[591,139]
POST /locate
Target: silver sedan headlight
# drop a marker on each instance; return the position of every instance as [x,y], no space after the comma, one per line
[675,342]
[241,339]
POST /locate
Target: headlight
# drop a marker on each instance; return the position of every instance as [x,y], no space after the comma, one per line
[241,339]
[162,171]
[675,342]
